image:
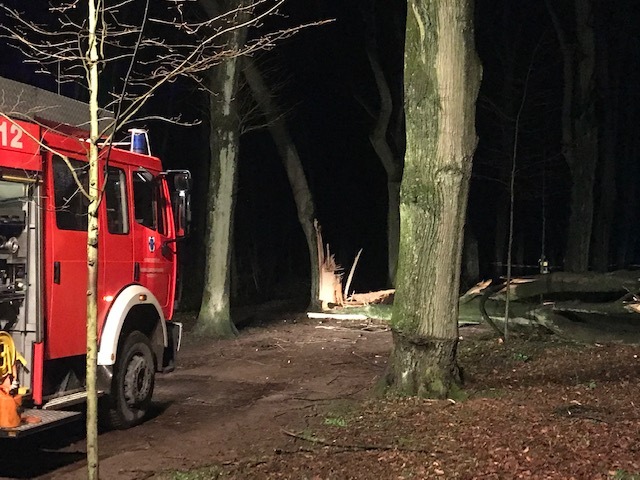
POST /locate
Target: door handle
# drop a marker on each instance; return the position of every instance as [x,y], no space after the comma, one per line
[56,272]
[136,272]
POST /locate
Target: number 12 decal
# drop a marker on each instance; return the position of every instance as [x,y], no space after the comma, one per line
[11,138]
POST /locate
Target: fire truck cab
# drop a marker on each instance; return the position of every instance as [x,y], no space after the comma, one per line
[43,271]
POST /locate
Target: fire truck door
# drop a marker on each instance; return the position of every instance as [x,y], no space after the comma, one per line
[66,262]
[154,258]
[116,239]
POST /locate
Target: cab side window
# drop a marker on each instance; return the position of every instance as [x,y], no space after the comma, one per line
[71,204]
[147,201]
[116,201]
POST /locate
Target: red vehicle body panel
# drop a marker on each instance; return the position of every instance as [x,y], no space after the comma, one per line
[65,250]
[19,142]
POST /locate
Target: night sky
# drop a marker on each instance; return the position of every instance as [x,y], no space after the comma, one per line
[323,80]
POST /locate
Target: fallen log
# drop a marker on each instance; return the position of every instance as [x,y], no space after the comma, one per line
[563,285]
[583,329]
[589,307]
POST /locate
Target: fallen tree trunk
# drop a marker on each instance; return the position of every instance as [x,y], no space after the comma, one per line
[589,307]
[589,327]
[563,284]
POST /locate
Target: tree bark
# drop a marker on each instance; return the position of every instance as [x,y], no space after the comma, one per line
[442,78]
[214,318]
[92,247]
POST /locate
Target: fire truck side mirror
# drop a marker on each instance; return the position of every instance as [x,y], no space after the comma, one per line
[182,181]
[181,200]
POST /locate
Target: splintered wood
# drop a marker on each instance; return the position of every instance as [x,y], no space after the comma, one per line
[331,294]
[330,274]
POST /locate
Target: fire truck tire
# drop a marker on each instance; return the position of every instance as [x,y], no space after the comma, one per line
[133,382]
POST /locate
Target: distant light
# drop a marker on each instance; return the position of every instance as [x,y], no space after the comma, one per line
[108,298]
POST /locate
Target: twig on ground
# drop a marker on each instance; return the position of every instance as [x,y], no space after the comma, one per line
[255,362]
[320,441]
[324,399]
[291,409]
[280,451]
[367,360]
[246,463]
[333,379]
[199,401]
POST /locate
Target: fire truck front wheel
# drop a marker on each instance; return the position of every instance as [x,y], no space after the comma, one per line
[133,382]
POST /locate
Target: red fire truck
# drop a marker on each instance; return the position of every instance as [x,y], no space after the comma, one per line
[43,266]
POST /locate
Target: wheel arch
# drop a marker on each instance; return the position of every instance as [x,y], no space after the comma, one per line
[134,308]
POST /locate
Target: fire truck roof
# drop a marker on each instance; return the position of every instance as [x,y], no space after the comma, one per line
[26,102]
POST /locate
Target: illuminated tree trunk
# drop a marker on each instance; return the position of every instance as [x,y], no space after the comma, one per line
[293,166]
[384,29]
[214,318]
[442,78]
[92,250]
[390,161]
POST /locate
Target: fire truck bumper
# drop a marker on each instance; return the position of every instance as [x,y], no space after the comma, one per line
[36,420]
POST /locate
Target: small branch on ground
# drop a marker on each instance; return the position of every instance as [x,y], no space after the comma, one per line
[325,443]
[367,360]
[289,410]
[324,399]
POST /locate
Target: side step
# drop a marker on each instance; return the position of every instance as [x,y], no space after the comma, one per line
[65,401]
[48,419]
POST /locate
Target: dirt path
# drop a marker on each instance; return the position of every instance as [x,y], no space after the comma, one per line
[227,400]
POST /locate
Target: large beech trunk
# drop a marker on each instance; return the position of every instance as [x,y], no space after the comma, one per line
[442,77]
[214,318]
[423,366]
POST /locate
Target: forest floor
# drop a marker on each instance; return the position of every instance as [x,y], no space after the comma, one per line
[292,398]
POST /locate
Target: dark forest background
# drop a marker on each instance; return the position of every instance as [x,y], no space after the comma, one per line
[324,80]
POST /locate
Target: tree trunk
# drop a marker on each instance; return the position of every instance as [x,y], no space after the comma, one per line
[579,131]
[391,163]
[393,227]
[628,168]
[628,225]
[214,318]
[290,158]
[470,273]
[442,77]
[603,228]
[293,166]
[92,248]
[382,21]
